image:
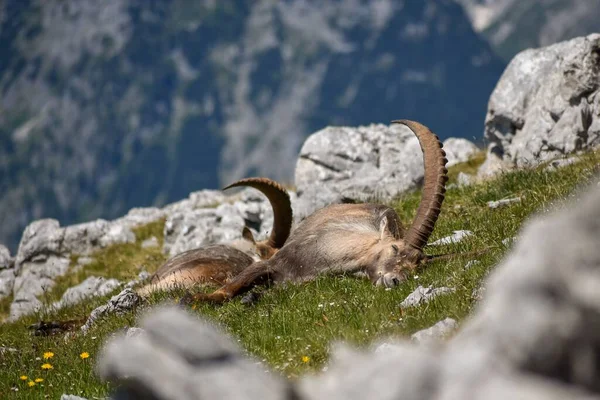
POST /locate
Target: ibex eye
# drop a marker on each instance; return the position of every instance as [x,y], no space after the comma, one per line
[395,248]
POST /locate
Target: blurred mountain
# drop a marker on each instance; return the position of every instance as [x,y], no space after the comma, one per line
[515,25]
[108,105]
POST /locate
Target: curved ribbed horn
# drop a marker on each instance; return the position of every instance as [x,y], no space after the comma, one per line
[434,185]
[280,203]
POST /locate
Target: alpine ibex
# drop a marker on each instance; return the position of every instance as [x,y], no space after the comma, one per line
[218,263]
[346,238]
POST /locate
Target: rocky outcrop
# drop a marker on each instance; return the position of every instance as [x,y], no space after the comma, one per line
[194,361]
[188,227]
[91,287]
[205,217]
[120,303]
[7,272]
[459,150]
[45,250]
[546,104]
[358,164]
[375,162]
[534,335]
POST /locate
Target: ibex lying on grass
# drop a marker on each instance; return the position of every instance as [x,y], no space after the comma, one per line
[218,263]
[212,263]
[346,238]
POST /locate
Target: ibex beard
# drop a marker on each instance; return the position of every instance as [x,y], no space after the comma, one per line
[346,238]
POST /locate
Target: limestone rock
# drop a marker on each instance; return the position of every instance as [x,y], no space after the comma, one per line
[6,261]
[41,237]
[422,295]
[503,202]
[35,277]
[456,237]
[459,150]
[347,164]
[93,286]
[435,333]
[150,242]
[547,103]
[7,280]
[193,360]
[120,303]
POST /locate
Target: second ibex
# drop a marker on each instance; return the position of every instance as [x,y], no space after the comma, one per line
[346,238]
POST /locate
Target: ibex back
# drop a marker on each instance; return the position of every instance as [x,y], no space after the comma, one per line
[347,238]
[218,263]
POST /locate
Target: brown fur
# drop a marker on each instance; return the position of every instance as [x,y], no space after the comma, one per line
[219,263]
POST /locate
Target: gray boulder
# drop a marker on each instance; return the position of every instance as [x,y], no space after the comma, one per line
[187,229]
[179,357]
[7,280]
[456,237]
[93,286]
[459,150]
[346,164]
[91,236]
[199,199]
[35,277]
[41,237]
[120,303]
[546,104]
[44,254]
[6,261]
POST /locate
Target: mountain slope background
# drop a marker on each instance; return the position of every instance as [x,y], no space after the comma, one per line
[514,25]
[106,106]
[110,105]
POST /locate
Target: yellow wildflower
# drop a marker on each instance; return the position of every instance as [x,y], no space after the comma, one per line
[84,355]
[305,359]
[31,383]
[47,366]
[38,380]
[23,377]
[48,355]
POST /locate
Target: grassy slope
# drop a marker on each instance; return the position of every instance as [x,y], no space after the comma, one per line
[291,327]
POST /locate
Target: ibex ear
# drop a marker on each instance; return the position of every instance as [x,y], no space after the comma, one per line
[247,234]
[383,228]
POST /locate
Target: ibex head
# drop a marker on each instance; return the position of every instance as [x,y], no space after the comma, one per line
[282,218]
[396,257]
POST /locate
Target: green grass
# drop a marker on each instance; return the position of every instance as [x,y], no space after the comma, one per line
[301,320]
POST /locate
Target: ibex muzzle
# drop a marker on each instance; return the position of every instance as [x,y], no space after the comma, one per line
[346,238]
[218,263]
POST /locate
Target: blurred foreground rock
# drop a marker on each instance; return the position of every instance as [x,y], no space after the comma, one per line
[535,335]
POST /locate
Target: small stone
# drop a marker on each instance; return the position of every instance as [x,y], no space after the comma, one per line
[559,163]
[456,237]
[422,295]
[123,302]
[435,333]
[150,242]
[503,202]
